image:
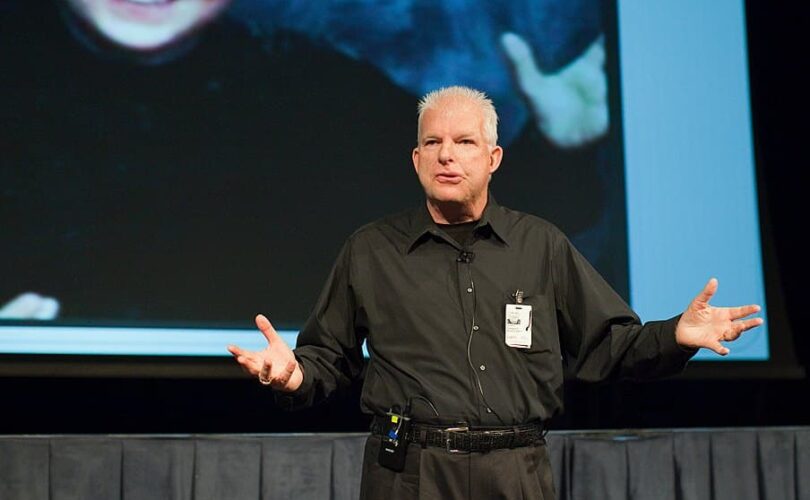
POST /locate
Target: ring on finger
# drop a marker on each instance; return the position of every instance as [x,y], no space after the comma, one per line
[264,375]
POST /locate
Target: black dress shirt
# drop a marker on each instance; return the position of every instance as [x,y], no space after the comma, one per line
[433,313]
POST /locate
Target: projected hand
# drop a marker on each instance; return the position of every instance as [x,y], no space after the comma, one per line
[570,106]
[30,305]
[703,325]
[275,365]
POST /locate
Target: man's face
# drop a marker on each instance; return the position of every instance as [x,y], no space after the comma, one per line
[147,25]
[452,159]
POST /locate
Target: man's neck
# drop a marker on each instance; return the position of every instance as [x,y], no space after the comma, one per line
[456,213]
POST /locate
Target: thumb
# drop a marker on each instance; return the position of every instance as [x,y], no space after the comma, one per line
[707,293]
[263,324]
[520,54]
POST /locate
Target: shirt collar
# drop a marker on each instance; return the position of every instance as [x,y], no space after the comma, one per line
[422,225]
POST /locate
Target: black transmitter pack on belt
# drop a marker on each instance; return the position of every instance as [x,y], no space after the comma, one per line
[393,445]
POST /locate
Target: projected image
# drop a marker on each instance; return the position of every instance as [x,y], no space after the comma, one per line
[191,163]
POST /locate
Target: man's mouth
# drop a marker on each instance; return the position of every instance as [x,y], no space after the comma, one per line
[144,12]
[448,178]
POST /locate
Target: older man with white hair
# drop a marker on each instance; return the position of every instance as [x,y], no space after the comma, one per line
[469,310]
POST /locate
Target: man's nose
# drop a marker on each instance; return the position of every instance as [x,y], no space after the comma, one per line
[446,152]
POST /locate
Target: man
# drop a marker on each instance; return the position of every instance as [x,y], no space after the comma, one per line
[468,309]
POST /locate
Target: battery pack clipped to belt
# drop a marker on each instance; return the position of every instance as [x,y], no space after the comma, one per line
[393,445]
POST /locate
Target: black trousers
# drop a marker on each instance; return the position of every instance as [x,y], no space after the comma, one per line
[433,473]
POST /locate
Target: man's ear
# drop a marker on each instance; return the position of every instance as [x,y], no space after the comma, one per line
[495,157]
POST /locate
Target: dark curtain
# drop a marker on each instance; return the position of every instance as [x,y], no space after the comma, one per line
[661,465]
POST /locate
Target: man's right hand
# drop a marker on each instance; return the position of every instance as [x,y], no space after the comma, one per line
[275,365]
[570,106]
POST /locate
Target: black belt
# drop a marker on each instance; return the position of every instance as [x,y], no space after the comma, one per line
[461,438]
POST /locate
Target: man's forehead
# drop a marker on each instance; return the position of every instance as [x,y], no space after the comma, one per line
[457,114]
[456,104]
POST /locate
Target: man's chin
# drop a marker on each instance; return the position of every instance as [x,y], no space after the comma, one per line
[447,200]
[141,43]
[448,194]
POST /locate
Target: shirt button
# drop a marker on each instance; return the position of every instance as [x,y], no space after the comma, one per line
[489,410]
[475,327]
[469,290]
[482,367]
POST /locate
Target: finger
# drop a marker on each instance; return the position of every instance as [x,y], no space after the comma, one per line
[22,306]
[48,309]
[745,325]
[596,52]
[251,362]
[280,382]
[743,311]
[707,293]
[591,83]
[264,371]
[243,360]
[520,54]
[242,356]
[258,363]
[587,74]
[718,348]
[263,324]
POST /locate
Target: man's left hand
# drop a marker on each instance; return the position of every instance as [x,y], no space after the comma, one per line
[703,325]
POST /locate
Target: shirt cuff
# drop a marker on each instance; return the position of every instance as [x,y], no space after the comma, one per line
[670,346]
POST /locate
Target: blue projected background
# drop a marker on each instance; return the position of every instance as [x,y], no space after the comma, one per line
[691,180]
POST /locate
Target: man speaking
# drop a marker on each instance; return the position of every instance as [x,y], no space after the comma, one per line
[469,310]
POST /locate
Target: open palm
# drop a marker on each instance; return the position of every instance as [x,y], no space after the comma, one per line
[703,325]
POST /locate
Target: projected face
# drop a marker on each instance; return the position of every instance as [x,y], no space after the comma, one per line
[147,25]
[452,160]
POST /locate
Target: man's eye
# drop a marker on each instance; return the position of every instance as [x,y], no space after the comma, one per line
[431,142]
[467,141]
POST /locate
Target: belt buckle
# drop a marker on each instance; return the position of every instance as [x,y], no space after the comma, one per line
[455,430]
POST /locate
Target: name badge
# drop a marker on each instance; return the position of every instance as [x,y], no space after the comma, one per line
[518,327]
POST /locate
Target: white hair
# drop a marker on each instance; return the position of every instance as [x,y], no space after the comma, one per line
[431,100]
